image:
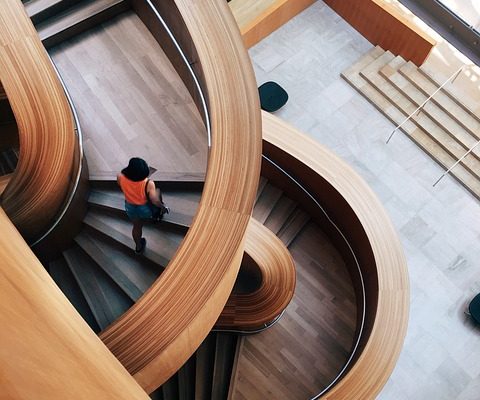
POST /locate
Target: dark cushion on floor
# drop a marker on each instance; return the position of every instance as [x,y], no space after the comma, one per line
[474,308]
[272,96]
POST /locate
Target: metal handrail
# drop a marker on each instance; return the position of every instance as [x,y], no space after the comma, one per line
[456,163]
[78,132]
[452,78]
[190,69]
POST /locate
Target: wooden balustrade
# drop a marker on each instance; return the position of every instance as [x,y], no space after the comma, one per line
[41,180]
[47,350]
[158,334]
[356,210]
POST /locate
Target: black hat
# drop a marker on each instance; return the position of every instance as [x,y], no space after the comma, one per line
[137,169]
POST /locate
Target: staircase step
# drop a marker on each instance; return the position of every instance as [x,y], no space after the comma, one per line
[63,277]
[280,214]
[205,361]
[40,10]
[226,345]
[106,300]
[261,185]
[186,380]
[161,243]
[352,73]
[448,144]
[78,18]
[293,226]
[183,204]
[461,115]
[466,97]
[126,270]
[412,131]
[266,202]
[431,109]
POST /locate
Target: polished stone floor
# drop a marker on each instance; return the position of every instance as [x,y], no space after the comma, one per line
[438,226]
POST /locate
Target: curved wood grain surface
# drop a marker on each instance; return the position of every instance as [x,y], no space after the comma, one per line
[160,332]
[41,180]
[356,209]
[47,350]
[256,309]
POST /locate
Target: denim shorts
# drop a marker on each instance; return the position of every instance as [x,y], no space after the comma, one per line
[142,211]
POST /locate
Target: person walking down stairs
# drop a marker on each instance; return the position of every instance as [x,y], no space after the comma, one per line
[142,200]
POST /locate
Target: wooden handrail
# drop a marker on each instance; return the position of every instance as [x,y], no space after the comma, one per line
[256,309]
[158,334]
[363,220]
[47,350]
[41,180]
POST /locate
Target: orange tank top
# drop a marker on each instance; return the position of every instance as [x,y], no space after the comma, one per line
[134,191]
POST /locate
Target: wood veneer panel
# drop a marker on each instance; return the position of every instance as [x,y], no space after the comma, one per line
[45,125]
[384,24]
[163,329]
[47,350]
[355,208]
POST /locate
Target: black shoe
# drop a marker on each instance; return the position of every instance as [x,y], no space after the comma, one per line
[143,243]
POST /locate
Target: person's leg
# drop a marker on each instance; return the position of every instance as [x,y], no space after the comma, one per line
[137,235]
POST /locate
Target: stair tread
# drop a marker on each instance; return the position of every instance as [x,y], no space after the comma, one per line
[429,127]
[65,280]
[106,300]
[431,109]
[128,272]
[39,10]
[394,115]
[161,243]
[368,58]
[463,117]
[265,203]
[465,97]
[293,226]
[73,16]
[183,205]
[280,213]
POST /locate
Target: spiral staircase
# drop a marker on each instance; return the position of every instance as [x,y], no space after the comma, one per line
[134,302]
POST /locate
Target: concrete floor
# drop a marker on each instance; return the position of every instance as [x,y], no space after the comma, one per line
[439,227]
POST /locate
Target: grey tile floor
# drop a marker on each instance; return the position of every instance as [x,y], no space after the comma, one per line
[439,227]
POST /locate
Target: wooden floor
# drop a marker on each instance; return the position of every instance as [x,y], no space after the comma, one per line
[304,351]
[130,100]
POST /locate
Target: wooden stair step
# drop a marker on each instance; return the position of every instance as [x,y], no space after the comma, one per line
[280,214]
[63,277]
[293,226]
[413,132]
[161,243]
[40,10]
[266,202]
[225,348]
[182,205]
[461,115]
[431,109]
[78,18]
[205,361]
[132,275]
[186,380]
[450,145]
[106,300]
[261,185]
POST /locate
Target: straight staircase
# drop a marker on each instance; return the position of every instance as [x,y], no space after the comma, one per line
[446,127]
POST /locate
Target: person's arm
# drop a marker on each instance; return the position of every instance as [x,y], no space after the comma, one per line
[118,180]
[154,194]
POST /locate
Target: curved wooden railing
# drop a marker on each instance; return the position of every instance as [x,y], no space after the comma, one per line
[47,350]
[354,208]
[45,167]
[158,334]
[255,310]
